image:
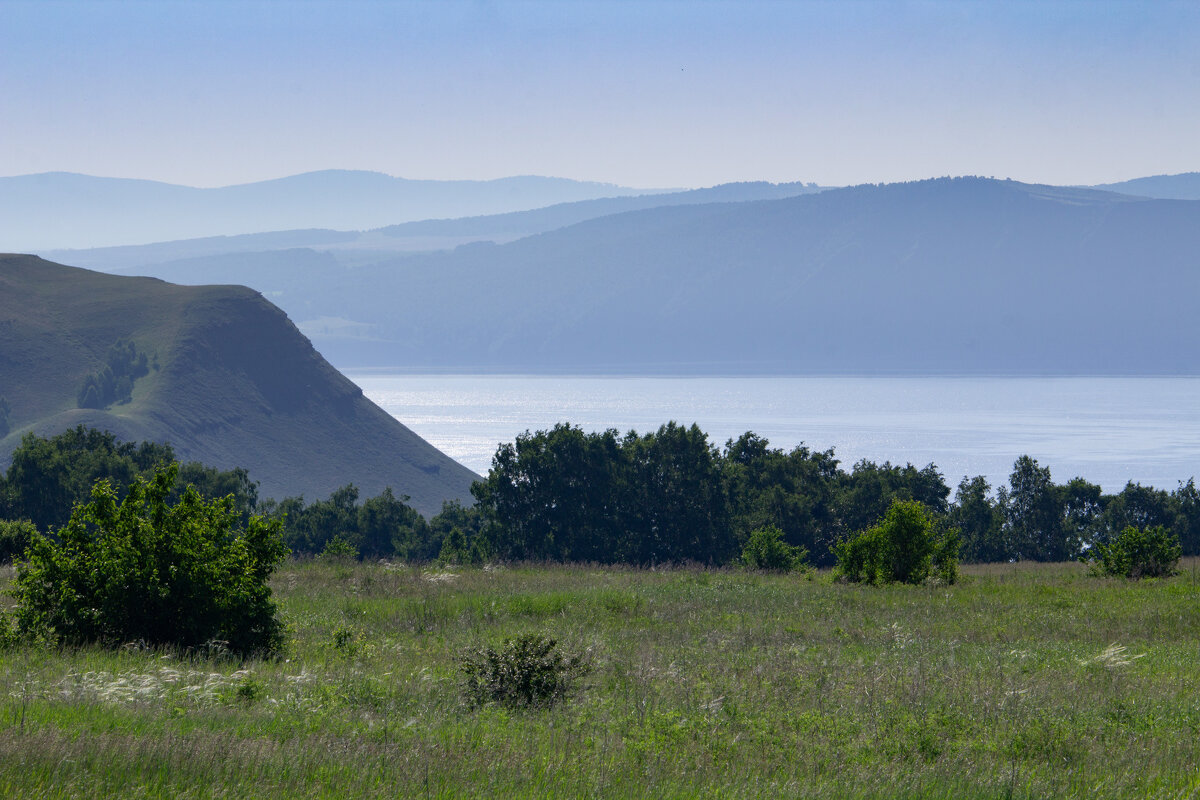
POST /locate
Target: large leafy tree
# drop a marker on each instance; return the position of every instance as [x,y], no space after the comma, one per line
[980,522]
[1035,516]
[387,526]
[675,503]
[792,491]
[556,494]
[868,492]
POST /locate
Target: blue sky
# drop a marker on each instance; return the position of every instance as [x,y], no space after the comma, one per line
[648,94]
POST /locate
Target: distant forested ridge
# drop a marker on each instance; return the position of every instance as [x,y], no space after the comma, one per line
[947,276]
[61,209]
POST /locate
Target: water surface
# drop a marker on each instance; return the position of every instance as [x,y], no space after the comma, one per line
[1108,430]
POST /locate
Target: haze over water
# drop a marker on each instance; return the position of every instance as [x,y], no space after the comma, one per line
[1107,430]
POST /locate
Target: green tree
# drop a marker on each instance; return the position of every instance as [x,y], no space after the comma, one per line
[905,547]
[1138,506]
[792,491]
[1138,553]
[559,494]
[1186,500]
[1083,505]
[143,569]
[387,526]
[766,550]
[865,495]
[980,521]
[468,519]
[1034,515]
[675,504]
[49,476]
[114,382]
[15,536]
[310,529]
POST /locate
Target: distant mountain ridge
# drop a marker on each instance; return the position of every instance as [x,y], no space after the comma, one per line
[948,276]
[235,384]
[418,236]
[1185,186]
[68,210]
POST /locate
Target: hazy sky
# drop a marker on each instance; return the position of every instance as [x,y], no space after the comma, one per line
[687,93]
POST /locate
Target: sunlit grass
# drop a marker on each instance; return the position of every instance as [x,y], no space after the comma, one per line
[1021,680]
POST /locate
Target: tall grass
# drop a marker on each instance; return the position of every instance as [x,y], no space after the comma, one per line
[1020,681]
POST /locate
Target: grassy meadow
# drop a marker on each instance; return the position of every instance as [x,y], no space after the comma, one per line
[1020,681]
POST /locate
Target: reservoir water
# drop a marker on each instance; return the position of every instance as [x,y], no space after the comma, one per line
[1107,430]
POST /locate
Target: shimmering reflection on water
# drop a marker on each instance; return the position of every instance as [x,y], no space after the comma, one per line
[1108,430]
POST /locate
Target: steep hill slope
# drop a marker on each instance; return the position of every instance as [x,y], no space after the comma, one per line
[235,384]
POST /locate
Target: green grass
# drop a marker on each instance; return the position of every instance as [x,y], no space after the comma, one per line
[1012,683]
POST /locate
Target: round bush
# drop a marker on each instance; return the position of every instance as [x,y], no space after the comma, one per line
[187,574]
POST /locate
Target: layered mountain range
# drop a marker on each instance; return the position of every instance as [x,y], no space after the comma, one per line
[965,275]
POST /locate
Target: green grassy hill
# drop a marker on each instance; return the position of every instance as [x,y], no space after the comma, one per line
[235,384]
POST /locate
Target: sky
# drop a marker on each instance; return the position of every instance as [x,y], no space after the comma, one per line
[679,93]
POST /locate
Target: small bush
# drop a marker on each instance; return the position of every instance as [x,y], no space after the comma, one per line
[905,547]
[15,536]
[142,569]
[338,550]
[766,550]
[458,548]
[1150,553]
[529,671]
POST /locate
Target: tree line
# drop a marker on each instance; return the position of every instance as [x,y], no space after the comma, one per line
[668,496]
[671,496]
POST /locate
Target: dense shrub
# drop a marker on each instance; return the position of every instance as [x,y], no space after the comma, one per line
[905,547]
[458,548]
[1138,553]
[182,574]
[15,536]
[766,550]
[114,382]
[49,476]
[529,671]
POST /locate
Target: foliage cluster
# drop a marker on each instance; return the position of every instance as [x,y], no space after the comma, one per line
[49,476]
[384,526]
[144,569]
[526,672]
[766,550]
[670,496]
[5,411]
[905,547]
[114,382]
[667,496]
[15,536]
[1137,553]
[1033,518]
